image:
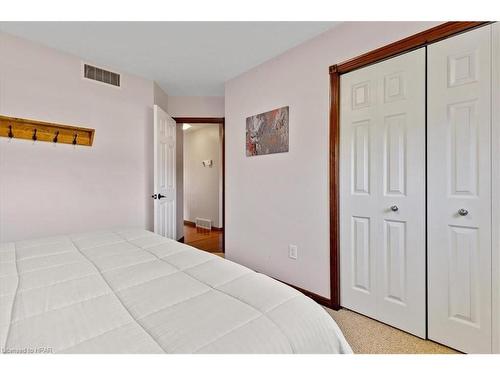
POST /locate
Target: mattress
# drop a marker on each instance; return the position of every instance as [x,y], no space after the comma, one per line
[132,291]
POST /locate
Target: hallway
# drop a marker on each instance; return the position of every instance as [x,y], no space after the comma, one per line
[203,239]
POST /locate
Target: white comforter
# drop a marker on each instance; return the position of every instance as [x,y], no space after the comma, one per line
[131,291]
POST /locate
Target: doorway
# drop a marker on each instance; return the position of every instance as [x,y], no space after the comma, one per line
[203,182]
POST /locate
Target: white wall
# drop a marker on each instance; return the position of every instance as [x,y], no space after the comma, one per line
[496,187]
[47,189]
[276,200]
[201,184]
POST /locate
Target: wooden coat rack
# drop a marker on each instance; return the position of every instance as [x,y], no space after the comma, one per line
[19,128]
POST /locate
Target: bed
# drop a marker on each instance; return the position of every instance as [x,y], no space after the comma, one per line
[132,291]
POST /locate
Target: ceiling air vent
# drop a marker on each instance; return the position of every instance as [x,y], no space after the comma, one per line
[101,75]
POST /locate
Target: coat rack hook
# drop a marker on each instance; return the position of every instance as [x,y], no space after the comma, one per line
[11,134]
[34,137]
[74,139]
[55,138]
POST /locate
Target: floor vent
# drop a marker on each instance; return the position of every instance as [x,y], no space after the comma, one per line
[203,223]
[101,75]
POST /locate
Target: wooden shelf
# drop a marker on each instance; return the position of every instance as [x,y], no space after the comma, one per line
[20,128]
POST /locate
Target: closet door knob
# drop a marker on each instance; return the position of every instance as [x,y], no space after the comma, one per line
[463,212]
[394,208]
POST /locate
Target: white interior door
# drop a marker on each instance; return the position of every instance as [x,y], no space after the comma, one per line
[164,174]
[495,131]
[459,191]
[382,191]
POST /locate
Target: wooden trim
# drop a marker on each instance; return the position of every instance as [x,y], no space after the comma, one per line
[223,136]
[200,120]
[39,131]
[189,223]
[222,122]
[316,297]
[334,189]
[410,43]
[421,39]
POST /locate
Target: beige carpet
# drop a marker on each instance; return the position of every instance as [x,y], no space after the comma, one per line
[367,336]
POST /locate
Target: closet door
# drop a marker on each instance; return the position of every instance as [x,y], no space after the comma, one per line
[459,191]
[382,191]
[495,151]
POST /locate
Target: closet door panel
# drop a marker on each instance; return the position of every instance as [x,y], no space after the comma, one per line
[401,259]
[359,186]
[459,191]
[382,191]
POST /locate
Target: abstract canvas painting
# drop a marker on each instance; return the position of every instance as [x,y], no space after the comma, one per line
[267,133]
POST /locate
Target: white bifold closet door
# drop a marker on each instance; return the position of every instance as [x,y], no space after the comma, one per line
[495,151]
[459,191]
[382,191]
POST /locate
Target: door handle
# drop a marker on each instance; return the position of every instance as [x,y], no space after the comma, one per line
[463,212]
[394,208]
[158,196]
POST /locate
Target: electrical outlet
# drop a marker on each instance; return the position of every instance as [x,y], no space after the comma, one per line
[292,251]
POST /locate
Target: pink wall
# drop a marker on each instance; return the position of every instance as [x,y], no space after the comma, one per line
[47,189]
[276,200]
[196,106]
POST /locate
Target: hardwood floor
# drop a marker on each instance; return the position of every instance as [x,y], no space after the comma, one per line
[208,240]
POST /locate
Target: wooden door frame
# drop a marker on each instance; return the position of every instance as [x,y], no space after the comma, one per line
[220,121]
[408,44]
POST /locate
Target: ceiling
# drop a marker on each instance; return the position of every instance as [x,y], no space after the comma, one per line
[184,58]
